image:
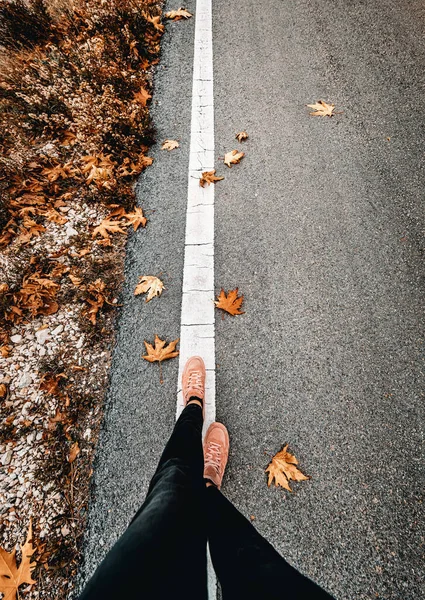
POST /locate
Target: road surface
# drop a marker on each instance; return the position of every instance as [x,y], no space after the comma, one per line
[321,227]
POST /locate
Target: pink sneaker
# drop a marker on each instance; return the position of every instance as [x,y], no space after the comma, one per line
[193,380]
[216,453]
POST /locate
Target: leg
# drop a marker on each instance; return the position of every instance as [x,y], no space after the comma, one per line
[247,566]
[163,551]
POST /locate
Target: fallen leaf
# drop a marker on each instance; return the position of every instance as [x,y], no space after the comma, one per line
[96,298]
[12,576]
[241,136]
[4,392]
[322,109]
[77,281]
[106,227]
[50,383]
[169,145]
[160,351]
[230,303]
[209,177]
[74,452]
[142,97]
[176,15]
[156,22]
[232,158]
[55,217]
[136,218]
[149,284]
[282,469]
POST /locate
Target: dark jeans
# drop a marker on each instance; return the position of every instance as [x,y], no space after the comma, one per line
[162,554]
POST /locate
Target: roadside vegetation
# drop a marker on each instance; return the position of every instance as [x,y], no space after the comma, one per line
[75,129]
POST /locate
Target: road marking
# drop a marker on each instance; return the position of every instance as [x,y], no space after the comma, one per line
[197,316]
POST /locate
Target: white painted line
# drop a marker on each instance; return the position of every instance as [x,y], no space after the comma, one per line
[197,317]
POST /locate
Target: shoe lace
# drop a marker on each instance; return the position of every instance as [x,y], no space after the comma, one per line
[213,456]
[195,380]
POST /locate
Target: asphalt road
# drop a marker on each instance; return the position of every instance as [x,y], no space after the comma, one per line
[321,227]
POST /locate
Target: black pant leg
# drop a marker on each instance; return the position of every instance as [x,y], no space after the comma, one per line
[162,554]
[247,566]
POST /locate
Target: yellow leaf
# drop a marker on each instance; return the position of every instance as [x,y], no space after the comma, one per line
[176,15]
[209,177]
[169,145]
[160,351]
[232,158]
[321,109]
[241,136]
[149,284]
[282,469]
[230,303]
[12,576]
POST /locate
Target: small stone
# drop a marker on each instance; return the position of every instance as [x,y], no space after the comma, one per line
[16,339]
[42,351]
[57,330]
[42,335]
[6,458]
[70,231]
[80,342]
[65,530]
[25,380]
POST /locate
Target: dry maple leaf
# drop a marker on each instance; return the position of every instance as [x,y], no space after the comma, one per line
[241,136]
[136,218]
[176,15]
[169,145]
[209,177]
[321,109]
[230,303]
[160,351]
[149,284]
[12,576]
[233,158]
[106,227]
[74,452]
[96,298]
[142,97]
[282,469]
[50,383]
[54,216]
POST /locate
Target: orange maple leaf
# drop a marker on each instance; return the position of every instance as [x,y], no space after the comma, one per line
[322,109]
[233,157]
[160,351]
[241,136]
[176,15]
[209,177]
[136,218]
[12,576]
[282,469]
[230,303]
[106,227]
[143,96]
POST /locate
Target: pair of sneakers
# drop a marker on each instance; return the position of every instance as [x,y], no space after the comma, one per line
[216,442]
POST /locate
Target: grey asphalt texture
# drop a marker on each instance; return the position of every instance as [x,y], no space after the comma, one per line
[321,227]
